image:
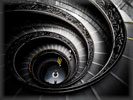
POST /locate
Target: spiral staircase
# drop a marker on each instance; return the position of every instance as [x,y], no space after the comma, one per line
[66,50]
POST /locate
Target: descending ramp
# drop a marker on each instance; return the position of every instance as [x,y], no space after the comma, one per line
[73,49]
